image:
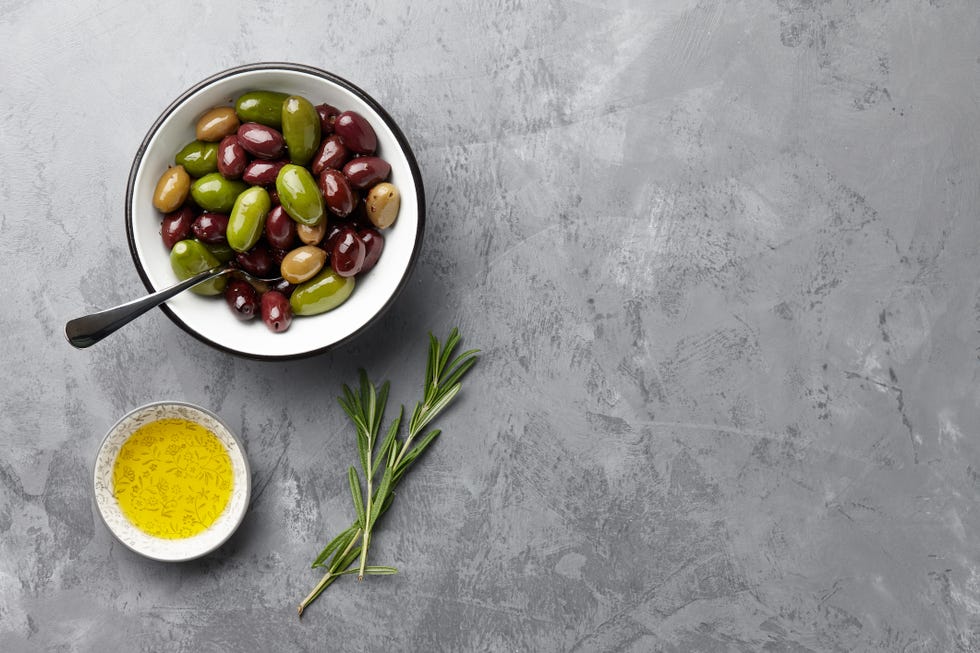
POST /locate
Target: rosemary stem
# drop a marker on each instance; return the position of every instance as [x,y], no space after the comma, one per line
[367,513]
[328,577]
[364,548]
[408,439]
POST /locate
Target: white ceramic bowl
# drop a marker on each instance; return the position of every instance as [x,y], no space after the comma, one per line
[170,550]
[208,318]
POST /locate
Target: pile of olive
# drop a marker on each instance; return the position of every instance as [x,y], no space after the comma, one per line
[255,189]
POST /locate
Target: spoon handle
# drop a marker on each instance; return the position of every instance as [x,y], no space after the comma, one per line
[87,330]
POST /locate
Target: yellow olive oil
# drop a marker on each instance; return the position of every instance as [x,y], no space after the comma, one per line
[172,478]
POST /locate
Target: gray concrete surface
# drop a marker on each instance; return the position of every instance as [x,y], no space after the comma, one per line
[722,261]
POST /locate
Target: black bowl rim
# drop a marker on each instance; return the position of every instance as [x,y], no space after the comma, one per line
[355,90]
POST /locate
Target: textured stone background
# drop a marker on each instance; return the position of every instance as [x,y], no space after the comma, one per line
[722,261]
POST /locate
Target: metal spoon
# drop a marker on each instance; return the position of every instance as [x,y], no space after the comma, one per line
[87,330]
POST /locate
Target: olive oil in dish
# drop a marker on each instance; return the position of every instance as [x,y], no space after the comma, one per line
[172,478]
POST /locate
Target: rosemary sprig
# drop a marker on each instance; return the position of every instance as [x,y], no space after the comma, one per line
[366,407]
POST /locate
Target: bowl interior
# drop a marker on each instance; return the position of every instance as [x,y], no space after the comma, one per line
[155,547]
[207,317]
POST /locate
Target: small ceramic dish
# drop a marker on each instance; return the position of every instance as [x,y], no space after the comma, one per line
[171,548]
[207,318]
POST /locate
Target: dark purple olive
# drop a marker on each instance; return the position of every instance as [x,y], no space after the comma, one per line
[261,141]
[347,256]
[356,132]
[327,115]
[242,299]
[374,244]
[176,226]
[278,254]
[333,232]
[358,218]
[280,229]
[276,311]
[211,228]
[332,153]
[366,171]
[337,192]
[262,173]
[257,261]
[283,286]
[232,157]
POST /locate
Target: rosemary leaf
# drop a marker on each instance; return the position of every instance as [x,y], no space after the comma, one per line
[338,543]
[379,570]
[389,442]
[439,402]
[448,348]
[430,367]
[355,491]
[382,401]
[371,570]
[415,452]
[383,490]
[460,366]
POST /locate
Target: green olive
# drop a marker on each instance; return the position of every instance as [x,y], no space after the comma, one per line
[198,158]
[299,195]
[221,251]
[190,257]
[214,193]
[263,107]
[171,189]
[300,128]
[326,291]
[247,218]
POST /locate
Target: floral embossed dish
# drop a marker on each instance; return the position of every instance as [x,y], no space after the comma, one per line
[172,481]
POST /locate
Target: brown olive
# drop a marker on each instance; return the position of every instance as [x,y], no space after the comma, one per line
[302,263]
[311,234]
[216,123]
[382,205]
[172,189]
